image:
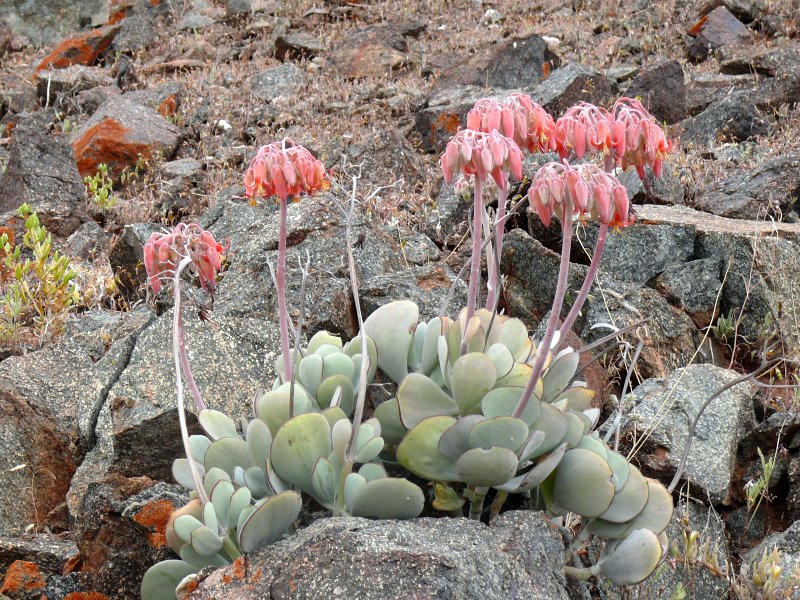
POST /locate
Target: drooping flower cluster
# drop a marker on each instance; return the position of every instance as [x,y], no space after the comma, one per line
[627,136]
[284,169]
[482,154]
[589,190]
[518,118]
[164,251]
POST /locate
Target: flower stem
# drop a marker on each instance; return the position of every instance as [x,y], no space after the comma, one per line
[185,367]
[493,283]
[587,283]
[176,344]
[561,287]
[476,502]
[280,282]
[475,266]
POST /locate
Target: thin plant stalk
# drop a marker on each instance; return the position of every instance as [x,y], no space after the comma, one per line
[185,367]
[493,283]
[558,301]
[176,343]
[475,266]
[587,283]
[299,329]
[478,495]
[280,282]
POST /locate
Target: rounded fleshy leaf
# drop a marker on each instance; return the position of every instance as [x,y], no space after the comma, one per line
[500,432]
[532,444]
[430,356]
[198,445]
[353,350]
[590,442]
[192,508]
[259,440]
[255,480]
[559,374]
[239,501]
[583,483]
[198,561]
[211,478]
[634,559]
[269,521]
[418,398]
[217,425]
[309,372]
[575,427]
[369,450]
[486,468]
[502,401]
[391,327]
[273,407]
[205,541]
[338,364]
[322,338]
[160,580]
[220,499]
[543,469]
[388,498]
[455,439]
[184,525]
[472,377]
[334,414]
[607,529]
[340,437]
[227,454]
[514,336]
[392,429]
[553,424]
[419,452]
[352,484]
[657,513]
[297,446]
[372,471]
[502,358]
[328,388]
[182,473]
[630,501]
[578,398]
[323,480]
[620,467]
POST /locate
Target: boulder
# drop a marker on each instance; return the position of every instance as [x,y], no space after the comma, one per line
[662,90]
[45,21]
[718,29]
[734,118]
[571,84]
[285,79]
[79,49]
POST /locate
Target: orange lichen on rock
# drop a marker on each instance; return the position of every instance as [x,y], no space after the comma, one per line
[168,107]
[154,516]
[107,142]
[85,596]
[22,575]
[80,49]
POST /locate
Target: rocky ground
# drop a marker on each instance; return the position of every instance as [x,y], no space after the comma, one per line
[174,96]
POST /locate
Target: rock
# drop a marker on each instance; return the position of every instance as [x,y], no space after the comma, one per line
[127,256]
[768,63]
[719,29]
[237,8]
[427,285]
[663,245]
[69,81]
[374,51]
[42,21]
[662,90]
[49,552]
[121,131]
[447,222]
[746,11]
[771,187]
[669,335]
[570,84]
[666,189]
[296,45]
[23,581]
[784,87]
[513,64]
[525,261]
[444,113]
[231,358]
[283,80]
[6,35]
[386,157]
[735,118]
[185,168]
[622,73]
[121,527]
[193,21]
[88,241]
[756,289]
[137,31]
[518,557]
[41,171]
[80,49]
[160,97]
[704,89]
[88,101]
[692,287]
[668,405]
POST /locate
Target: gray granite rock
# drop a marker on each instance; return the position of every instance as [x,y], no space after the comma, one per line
[668,406]
[519,557]
[662,90]
[282,80]
[734,118]
[721,29]
[571,84]
[127,256]
[88,241]
[43,22]
[693,287]
[666,189]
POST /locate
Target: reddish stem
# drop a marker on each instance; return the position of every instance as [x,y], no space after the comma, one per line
[558,301]
[475,266]
[587,283]
[280,283]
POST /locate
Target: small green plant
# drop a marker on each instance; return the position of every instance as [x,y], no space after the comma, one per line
[41,287]
[100,187]
[765,579]
[758,489]
[725,328]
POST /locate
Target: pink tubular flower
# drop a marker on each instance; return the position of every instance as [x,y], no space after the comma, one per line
[584,128]
[284,169]
[163,252]
[589,190]
[644,142]
[518,118]
[482,154]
